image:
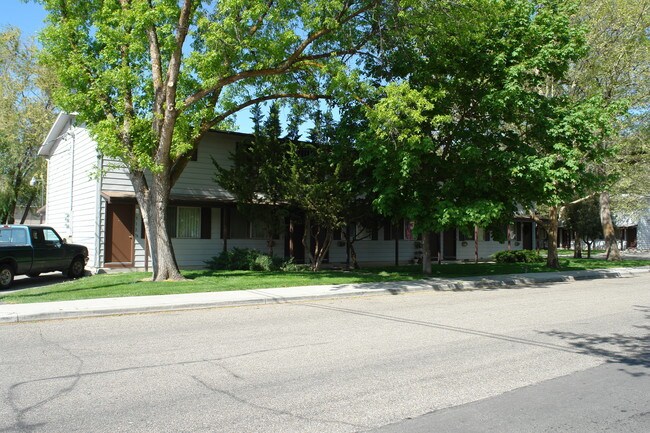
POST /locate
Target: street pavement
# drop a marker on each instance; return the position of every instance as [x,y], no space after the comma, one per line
[520,357]
[612,397]
[148,304]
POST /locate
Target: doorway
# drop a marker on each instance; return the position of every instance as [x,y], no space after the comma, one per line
[120,224]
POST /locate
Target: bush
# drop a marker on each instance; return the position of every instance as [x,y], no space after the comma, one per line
[290,266]
[237,259]
[245,259]
[518,256]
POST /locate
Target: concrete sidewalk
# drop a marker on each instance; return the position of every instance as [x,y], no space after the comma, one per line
[144,304]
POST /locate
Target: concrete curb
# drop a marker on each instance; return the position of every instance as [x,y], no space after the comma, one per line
[12,313]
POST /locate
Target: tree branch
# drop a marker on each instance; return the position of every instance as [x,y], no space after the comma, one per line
[260,20]
[156,73]
[173,71]
[292,60]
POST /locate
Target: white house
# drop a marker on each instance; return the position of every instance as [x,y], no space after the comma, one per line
[634,228]
[90,201]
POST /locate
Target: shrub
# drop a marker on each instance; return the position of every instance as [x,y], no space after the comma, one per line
[245,259]
[237,259]
[290,266]
[518,256]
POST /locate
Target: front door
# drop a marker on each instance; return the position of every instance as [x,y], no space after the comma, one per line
[449,245]
[120,223]
[527,234]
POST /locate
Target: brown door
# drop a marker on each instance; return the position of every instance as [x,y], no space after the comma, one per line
[120,222]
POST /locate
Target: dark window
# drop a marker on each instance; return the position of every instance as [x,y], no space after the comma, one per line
[486,235]
[171,221]
[393,231]
[206,223]
[239,225]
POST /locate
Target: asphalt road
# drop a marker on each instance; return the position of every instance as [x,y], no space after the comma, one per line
[536,357]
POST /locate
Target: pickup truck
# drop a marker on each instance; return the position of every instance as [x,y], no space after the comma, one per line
[31,250]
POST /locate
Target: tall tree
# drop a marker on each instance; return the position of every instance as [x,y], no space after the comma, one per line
[617,68]
[258,176]
[27,113]
[151,77]
[453,136]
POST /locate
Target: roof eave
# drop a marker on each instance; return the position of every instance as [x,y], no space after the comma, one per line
[54,135]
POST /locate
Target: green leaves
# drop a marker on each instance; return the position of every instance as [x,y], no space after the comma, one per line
[27,114]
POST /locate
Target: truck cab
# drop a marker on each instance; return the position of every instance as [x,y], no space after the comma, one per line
[32,250]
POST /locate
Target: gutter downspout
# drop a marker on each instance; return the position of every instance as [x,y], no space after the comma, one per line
[72,173]
[98,210]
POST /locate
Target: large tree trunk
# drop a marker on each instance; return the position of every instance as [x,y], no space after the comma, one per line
[577,246]
[613,253]
[426,253]
[551,230]
[153,203]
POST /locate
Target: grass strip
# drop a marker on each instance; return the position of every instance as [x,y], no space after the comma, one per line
[139,284]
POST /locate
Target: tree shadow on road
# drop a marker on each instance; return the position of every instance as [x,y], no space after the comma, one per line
[626,349]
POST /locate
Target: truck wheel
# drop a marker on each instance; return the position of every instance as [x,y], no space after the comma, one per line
[77,268]
[6,276]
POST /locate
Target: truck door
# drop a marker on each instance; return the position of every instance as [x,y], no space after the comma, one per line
[49,254]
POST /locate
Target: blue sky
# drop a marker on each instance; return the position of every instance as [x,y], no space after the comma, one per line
[26,16]
[29,18]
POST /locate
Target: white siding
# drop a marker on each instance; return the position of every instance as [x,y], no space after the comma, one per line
[72,189]
[116,176]
[379,251]
[198,177]
[643,232]
[486,249]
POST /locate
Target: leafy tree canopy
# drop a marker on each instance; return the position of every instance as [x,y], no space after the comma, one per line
[151,77]
[27,114]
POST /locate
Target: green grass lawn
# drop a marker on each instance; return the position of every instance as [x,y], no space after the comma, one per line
[137,284]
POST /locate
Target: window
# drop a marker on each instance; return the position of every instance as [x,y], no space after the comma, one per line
[258,230]
[239,225]
[408,230]
[365,233]
[14,236]
[518,231]
[188,222]
[486,235]
[51,236]
[392,231]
